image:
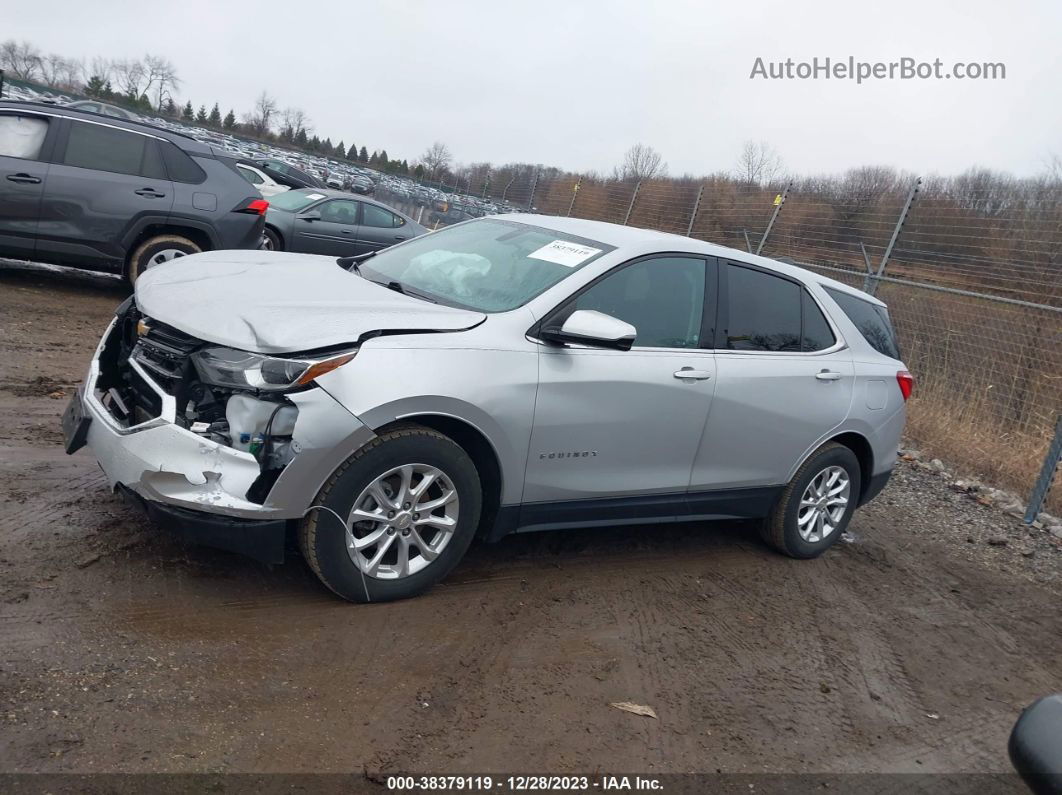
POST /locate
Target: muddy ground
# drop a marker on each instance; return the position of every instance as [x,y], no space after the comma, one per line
[911,648]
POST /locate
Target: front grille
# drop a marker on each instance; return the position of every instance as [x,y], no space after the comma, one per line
[161,351]
[164,352]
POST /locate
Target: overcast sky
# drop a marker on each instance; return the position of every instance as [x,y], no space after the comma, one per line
[574,84]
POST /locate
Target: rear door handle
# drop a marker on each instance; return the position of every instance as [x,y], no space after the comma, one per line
[149,193]
[26,179]
[689,374]
[828,375]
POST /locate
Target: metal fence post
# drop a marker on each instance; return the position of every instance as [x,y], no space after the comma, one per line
[1047,475]
[531,198]
[630,207]
[748,243]
[870,283]
[696,207]
[575,192]
[774,216]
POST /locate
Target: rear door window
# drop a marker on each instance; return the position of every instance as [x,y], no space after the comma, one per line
[763,311]
[379,217]
[872,321]
[22,136]
[109,149]
[816,334]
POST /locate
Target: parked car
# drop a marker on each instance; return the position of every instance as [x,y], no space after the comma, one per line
[92,106]
[453,215]
[333,222]
[266,185]
[504,375]
[336,181]
[287,174]
[115,195]
[363,185]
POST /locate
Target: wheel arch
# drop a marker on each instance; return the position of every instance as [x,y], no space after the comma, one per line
[479,448]
[280,235]
[156,227]
[864,453]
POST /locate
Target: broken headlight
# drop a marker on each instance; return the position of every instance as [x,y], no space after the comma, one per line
[235,369]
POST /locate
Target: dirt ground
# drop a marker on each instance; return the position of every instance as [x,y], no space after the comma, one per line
[912,647]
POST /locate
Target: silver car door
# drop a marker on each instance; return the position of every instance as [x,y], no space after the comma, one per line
[784,382]
[611,423]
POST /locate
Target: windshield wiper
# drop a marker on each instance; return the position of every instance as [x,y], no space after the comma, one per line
[354,263]
[398,287]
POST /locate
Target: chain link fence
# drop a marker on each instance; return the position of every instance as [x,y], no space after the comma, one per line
[971,274]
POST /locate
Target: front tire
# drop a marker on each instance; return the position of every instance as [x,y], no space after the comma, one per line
[271,240]
[816,505]
[410,503]
[155,251]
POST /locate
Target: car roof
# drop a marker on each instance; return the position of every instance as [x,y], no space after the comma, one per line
[184,141]
[332,193]
[644,241]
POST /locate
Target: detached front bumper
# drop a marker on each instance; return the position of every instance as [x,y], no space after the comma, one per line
[187,480]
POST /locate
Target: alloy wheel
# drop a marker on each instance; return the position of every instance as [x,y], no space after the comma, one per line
[163,256]
[823,504]
[402,521]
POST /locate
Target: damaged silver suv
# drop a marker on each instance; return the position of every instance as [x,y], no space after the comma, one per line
[502,375]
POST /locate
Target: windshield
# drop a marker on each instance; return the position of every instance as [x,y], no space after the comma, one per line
[294,200]
[488,265]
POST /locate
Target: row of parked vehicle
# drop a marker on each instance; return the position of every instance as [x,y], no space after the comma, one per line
[86,188]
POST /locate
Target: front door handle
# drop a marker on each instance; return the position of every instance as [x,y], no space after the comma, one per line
[689,374]
[828,375]
[149,193]
[26,179]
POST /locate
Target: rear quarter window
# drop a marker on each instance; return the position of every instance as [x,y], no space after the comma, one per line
[871,320]
[180,166]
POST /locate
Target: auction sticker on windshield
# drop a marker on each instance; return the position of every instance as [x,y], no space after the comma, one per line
[315,196]
[564,253]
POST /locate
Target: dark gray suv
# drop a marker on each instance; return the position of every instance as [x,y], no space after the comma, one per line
[115,195]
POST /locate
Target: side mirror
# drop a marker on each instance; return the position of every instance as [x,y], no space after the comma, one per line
[587,327]
[1036,745]
[313,215]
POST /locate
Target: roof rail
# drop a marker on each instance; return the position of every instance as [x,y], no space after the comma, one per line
[54,105]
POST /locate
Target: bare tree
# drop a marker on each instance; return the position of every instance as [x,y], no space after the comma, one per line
[131,76]
[21,58]
[292,122]
[436,159]
[758,163]
[161,74]
[61,72]
[640,162]
[260,120]
[103,68]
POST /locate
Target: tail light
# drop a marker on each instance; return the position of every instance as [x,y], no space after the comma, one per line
[253,207]
[906,382]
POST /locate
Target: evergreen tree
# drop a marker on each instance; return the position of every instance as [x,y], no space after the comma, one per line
[301,140]
[95,86]
[340,150]
[352,153]
[363,155]
[315,144]
[230,120]
[169,107]
[418,172]
[108,90]
[188,114]
[326,146]
[201,116]
[375,159]
[383,159]
[214,119]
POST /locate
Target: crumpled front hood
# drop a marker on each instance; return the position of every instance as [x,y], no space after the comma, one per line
[273,302]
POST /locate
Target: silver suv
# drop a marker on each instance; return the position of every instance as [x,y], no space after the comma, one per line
[498,376]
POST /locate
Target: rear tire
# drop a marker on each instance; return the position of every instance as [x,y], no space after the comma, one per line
[370,482]
[809,518]
[156,250]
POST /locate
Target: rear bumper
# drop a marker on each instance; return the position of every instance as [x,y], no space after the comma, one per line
[876,484]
